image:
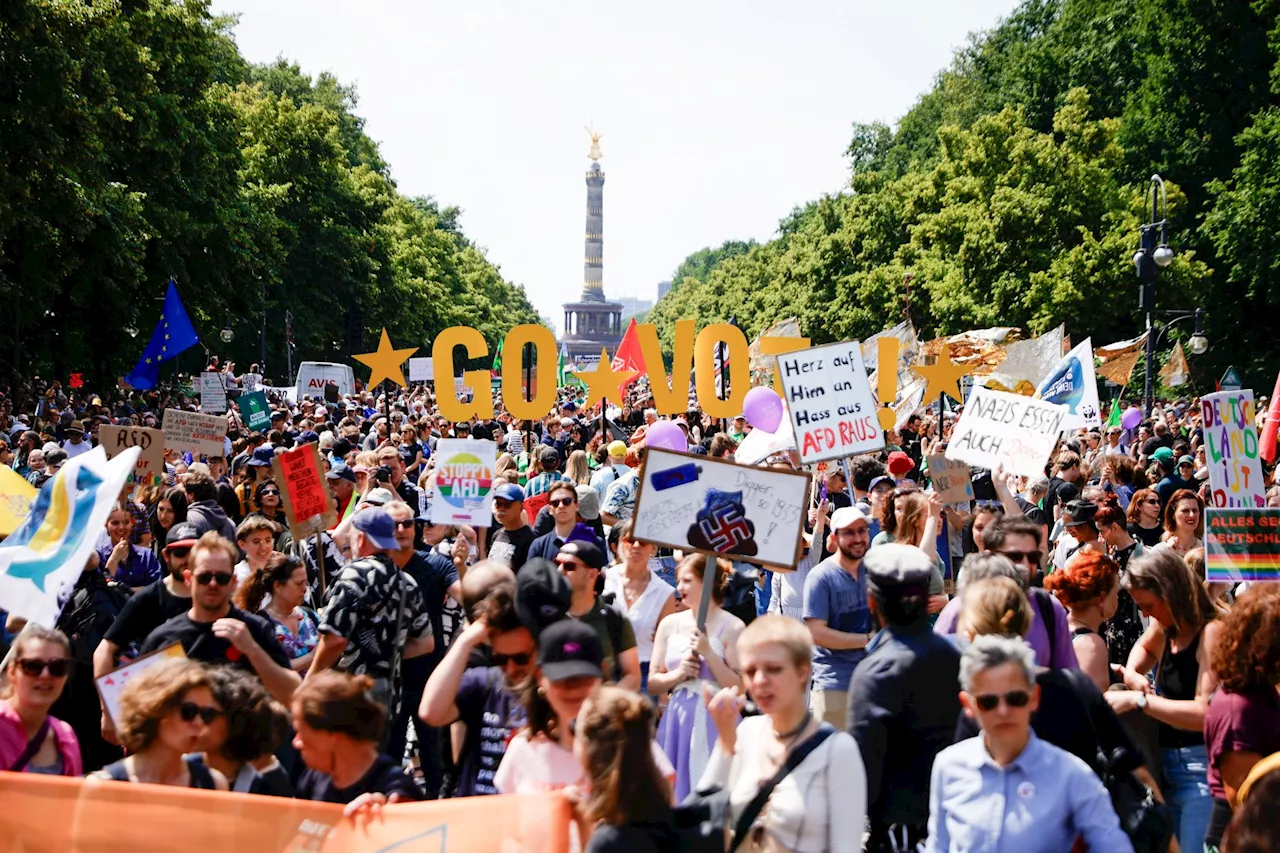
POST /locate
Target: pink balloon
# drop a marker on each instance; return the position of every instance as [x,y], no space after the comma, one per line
[666,435]
[763,408]
[1131,418]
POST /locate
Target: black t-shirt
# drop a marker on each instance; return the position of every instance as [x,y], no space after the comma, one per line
[409,453]
[1032,513]
[633,838]
[148,609]
[199,642]
[435,573]
[510,546]
[1149,536]
[482,430]
[384,777]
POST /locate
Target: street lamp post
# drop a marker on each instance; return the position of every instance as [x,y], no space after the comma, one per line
[1153,254]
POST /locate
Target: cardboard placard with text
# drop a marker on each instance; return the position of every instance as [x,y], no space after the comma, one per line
[213,393]
[255,410]
[111,685]
[463,482]
[1231,450]
[420,369]
[149,469]
[997,428]
[1242,544]
[304,491]
[201,434]
[740,512]
[951,480]
[833,411]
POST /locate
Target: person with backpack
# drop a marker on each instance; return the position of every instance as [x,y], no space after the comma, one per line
[581,564]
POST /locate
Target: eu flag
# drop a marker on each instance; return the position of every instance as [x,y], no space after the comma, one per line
[173,334]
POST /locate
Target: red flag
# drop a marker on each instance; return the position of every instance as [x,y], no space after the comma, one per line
[1269,429]
[77,380]
[628,356]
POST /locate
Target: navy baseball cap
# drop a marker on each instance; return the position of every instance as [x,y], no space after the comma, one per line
[341,471]
[264,455]
[509,492]
[377,524]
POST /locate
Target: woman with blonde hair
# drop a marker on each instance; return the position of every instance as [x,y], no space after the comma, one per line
[31,739]
[820,805]
[163,713]
[578,468]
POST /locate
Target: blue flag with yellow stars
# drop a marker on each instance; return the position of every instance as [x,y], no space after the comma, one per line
[173,334]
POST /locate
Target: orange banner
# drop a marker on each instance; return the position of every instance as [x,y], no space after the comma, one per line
[57,815]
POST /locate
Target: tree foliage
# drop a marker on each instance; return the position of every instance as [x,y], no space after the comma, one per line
[136,144]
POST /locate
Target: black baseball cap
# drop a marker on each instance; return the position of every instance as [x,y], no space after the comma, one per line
[570,649]
[542,595]
[182,533]
[587,552]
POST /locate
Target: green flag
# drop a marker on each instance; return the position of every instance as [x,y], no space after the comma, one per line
[560,382]
[1114,419]
[497,359]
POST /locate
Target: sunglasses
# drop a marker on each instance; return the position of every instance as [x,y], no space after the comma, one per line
[405,525]
[990,701]
[520,659]
[190,710]
[1030,557]
[559,502]
[571,565]
[220,578]
[266,492]
[179,551]
[56,667]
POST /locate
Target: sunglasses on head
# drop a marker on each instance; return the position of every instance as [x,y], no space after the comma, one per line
[56,667]
[1030,557]
[220,578]
[990,701]
[558,502]
[519,659]
[190,710]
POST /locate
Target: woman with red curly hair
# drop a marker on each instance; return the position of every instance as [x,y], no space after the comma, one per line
[1124,628]
[1242,724]
[1088,587]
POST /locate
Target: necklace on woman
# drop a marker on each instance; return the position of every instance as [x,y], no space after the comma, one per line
[790,737]
[278,614]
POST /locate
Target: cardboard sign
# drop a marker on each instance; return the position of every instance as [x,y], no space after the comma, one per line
[1242,544]
[149,468]
[213,393]
[697,503]
[1231,450]
[202,435]
[462,490]
[421,369]
[997,428]
[111,685]
[833,411]
[308,504]
[951,480]
[255,411]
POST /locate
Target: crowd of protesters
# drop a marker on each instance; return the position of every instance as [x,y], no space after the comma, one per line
[1041,669]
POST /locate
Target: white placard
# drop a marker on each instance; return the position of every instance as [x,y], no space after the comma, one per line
[698,503]
[1231,450]
[461,491]
[213,394]
[1072,383]
[421,369]
[195,432]
[1006,429]
[111,685]
[833,412]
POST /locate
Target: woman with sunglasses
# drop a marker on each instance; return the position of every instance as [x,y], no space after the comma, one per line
[1144,518]
[163,712]
[240,743]
[171,509]
[267,496]
[278,591]
[32,740]
[1183,523]
[1006,788]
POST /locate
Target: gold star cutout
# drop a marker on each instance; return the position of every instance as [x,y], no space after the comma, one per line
[943,377]
[603,382]
[386,363]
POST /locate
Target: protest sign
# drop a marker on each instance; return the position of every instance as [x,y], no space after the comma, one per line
[202,435]
[833,412]
[1231,450]
[1242,544]
[111,685]
[1073,384]
[697,503]
[304,491]
[420,369]
[149,469]
[951,480]
[255,411]
[760,445]
[213,393]
[16,495]
[997,428]
[463,482]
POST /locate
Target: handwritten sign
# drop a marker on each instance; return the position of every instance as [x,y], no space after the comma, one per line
[111,685]
[1242,544]
[1000,428]
[951,480]
[195,432]
[254,409]
[1231,450]
[697,503]
[308,503]
[149,469]
[832,409]
[213,393]
[420,369]
[463,482]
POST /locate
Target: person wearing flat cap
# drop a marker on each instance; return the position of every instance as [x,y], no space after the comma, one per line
[1078,531]
[903,703]
[581,563]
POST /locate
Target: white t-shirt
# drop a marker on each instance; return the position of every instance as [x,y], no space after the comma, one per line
[73,450]
[644,614]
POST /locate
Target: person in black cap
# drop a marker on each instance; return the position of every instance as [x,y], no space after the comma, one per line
[902,697]
[1078,531]
[581,563]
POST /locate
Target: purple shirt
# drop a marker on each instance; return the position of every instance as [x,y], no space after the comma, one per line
[1240,722]
[1064,656]
[138,569]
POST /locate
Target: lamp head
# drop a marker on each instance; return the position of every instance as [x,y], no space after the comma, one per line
[227,335]
[1163,255]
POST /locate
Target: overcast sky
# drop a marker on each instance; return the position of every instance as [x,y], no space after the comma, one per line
[718,117]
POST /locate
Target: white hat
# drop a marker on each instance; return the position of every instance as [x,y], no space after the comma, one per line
[847,516]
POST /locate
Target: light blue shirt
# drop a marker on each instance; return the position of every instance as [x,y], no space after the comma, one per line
[1038,804]
[831,594]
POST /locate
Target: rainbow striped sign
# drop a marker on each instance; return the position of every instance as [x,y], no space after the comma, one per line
[463,482]
[1242,544]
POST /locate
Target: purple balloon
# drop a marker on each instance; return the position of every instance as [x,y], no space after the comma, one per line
[1131,418]
[763,408]
[666,435]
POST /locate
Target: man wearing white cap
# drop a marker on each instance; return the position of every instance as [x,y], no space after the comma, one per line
[837,614]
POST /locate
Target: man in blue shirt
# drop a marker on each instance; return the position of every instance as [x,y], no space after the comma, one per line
[836,612]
